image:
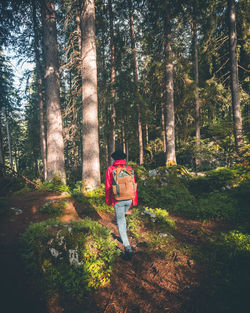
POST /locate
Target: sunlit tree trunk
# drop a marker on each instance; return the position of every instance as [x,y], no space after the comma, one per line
[163,128]
[55,144]
[197,101]
[91,162]
[170,115]
[123,138]
[234,75]
[113,111]
[135,72]
[39,90]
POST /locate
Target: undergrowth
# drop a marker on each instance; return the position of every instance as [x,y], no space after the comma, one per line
[94,198]
[3,206]
[54,185]
[23,191]
[227,258]
[54,208]
[152,231]
[71,259]
[221,194]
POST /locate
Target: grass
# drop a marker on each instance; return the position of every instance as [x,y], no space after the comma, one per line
[54,208]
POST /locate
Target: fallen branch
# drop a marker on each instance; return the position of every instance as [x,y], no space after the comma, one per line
[19,175]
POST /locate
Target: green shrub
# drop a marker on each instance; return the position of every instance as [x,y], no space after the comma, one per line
[94,198]
[162,218]
[152,232]
[216,205]
[133,223]
[218,179]
[54,185]
[140,171]
[23,191]
[54,208]
[236,243]
[241,195]
[167,189]
[227,259]
[70,259]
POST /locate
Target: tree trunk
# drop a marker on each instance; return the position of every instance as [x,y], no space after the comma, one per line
[113,111]
[146,130]
[234,76]
[39,90]
[1,145]
[9,139]
[78,31]
[163,129]
[55,144]
[91,162]
[135,73]
[197,101]
[123,139]
[170,115]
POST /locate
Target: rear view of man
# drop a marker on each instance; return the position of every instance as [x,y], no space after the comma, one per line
[121,192]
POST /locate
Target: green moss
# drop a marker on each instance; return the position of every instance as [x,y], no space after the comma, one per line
[54,208]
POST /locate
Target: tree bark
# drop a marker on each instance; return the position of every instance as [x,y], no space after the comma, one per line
[8,138]
[1,145]
[163,129]
[123,138]
[170,115]
[135,73]
[146,130]
[234,76]
[91,162]
[113,110]
[39,90]
[55,144]
[196,90]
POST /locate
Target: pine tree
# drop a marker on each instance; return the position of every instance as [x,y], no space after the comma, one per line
[135,73]
[234,76]
[55,144]
[91,162]
[170,114]
[39,88]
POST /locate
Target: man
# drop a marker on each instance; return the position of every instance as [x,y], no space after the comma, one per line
[121,206]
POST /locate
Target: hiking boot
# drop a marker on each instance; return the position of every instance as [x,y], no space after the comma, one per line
[128,253]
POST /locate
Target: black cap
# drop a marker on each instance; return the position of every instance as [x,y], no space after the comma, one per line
[118,155]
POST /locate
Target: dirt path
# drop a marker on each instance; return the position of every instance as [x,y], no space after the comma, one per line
[18,293]
[146,284]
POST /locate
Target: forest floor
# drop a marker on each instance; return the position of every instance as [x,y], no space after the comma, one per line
[149,283]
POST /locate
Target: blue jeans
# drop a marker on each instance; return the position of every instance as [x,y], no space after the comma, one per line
[121,208]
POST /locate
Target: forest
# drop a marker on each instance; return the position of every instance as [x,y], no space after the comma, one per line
[165,82]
